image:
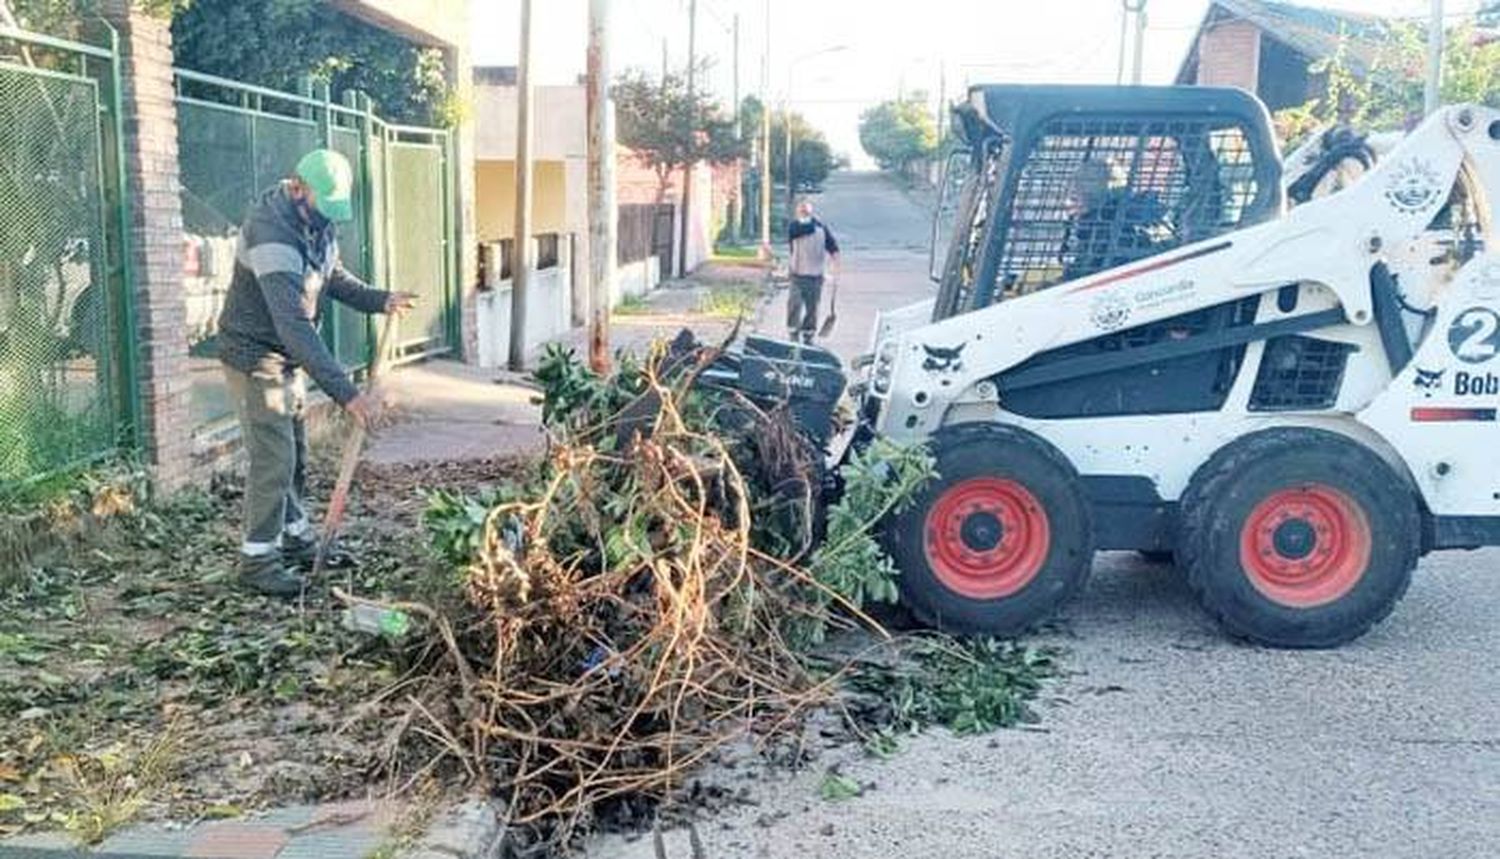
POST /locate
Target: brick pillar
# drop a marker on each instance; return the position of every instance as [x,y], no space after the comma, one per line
[153,191]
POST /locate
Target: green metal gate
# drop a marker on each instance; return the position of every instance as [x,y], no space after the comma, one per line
[66,344]
[236,140]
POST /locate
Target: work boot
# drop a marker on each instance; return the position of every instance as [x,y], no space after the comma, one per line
[269,575]
[303,552]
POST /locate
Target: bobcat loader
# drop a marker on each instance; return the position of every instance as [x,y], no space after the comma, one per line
[1136,344]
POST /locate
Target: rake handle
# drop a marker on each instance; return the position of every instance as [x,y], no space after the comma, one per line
[339,500]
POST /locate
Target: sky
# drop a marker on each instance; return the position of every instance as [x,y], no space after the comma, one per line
[846,55]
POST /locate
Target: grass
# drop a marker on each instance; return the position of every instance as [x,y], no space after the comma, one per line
[736,252]
[730,302]
[632,305]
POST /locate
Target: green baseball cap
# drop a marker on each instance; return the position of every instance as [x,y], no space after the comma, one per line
[327,173]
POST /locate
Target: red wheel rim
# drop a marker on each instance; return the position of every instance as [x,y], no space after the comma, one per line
[1306,546]
[987,537]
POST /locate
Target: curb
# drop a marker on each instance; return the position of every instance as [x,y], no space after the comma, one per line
[471,830]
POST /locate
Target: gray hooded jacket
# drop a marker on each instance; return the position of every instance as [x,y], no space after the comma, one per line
[283,268]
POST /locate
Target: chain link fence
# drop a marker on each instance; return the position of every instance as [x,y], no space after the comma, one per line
[63,332]
[236,141]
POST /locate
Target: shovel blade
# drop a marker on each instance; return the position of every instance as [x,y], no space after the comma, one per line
[828,325]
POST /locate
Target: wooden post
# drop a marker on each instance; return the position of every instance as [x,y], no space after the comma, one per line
[601,178]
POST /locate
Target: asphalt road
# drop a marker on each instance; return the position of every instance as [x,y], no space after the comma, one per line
[1165,739]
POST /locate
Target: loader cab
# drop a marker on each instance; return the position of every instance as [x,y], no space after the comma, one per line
[1053,183]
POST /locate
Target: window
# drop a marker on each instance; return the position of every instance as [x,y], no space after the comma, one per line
[1099,192]
[546,251]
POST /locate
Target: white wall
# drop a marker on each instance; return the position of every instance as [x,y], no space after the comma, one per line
[559,123]
[637,278]
[549,299]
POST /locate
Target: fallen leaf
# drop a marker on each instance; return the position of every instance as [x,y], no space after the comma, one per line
[11,802]
[9,773]
[223,812]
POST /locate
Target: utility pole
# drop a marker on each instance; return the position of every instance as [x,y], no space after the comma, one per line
[663,60]
[520,268]
[786,118]
[601,179]
[687,170]
[765,141]
[1140,40]
[942,106]
[1124,41]
[740,211]
[1431,93]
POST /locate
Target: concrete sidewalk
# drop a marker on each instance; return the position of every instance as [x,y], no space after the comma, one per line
[452,411]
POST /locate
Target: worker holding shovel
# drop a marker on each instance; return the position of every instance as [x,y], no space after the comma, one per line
[286,263]
[813,250]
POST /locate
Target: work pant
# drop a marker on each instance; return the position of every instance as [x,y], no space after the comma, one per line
[270,406]
[802,306]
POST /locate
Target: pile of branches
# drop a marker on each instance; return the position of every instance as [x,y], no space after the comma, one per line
[640,603]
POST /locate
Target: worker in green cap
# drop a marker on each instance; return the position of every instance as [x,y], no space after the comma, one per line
[286,268]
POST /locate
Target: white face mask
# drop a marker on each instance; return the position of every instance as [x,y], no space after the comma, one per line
[802,219]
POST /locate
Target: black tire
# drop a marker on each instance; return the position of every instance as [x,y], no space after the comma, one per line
[986,475]
[1298,537]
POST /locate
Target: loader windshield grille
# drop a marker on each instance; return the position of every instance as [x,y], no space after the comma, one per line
[1098,192]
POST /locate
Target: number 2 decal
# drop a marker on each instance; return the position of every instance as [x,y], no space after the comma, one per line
[1474,335]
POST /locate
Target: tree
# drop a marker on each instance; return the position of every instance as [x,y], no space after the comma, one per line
[812,159]
[1388,94]
[670,130]
[275,43]
[898,132]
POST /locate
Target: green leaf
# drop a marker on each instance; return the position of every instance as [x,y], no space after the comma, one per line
[11,802]
[837,788]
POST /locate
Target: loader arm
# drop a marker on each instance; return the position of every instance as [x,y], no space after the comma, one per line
[1328,246]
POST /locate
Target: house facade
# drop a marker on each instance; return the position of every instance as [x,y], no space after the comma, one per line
[1270,48]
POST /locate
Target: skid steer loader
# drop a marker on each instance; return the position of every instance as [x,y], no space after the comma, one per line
[1136,344]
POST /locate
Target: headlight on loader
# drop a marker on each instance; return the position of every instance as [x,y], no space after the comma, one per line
[884,368]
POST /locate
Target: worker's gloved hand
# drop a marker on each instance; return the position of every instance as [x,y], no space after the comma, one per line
[397,303]
[367,409]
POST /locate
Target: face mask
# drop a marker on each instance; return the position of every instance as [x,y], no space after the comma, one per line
[313,217]
[802,219]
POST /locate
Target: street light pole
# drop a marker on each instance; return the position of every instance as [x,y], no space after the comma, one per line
[765,139]
[786,117]
[1139,7]
[687,169]
[740,210]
